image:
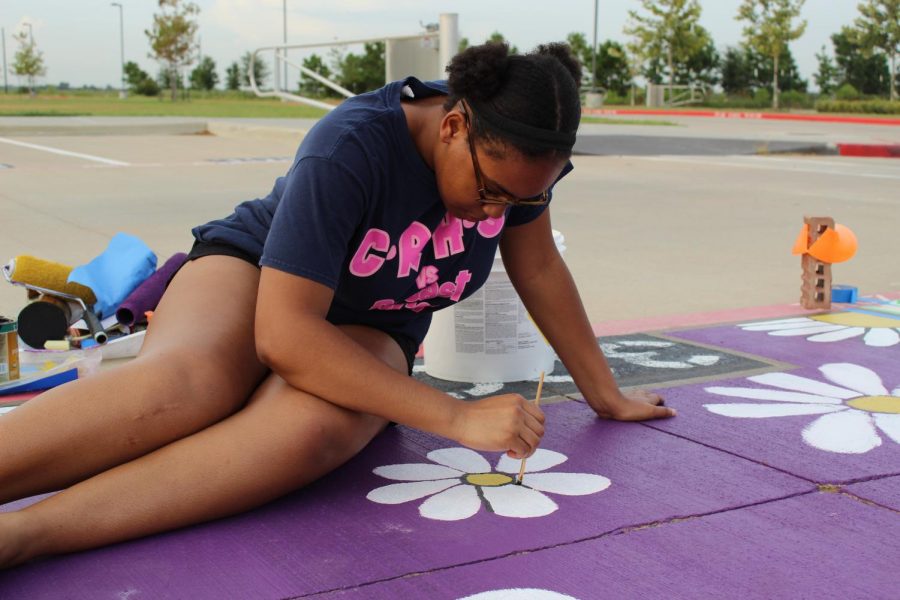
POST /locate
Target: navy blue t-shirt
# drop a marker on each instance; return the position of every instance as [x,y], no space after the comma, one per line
[359,212]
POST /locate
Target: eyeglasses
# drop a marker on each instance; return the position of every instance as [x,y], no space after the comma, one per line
[485,195]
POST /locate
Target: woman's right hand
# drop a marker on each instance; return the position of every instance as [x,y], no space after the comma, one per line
[500,423]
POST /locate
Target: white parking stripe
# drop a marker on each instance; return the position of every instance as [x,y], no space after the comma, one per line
[100,159]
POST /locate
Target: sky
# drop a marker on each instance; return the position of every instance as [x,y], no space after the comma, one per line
[80,38]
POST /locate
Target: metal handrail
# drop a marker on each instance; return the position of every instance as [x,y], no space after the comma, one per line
[280,49]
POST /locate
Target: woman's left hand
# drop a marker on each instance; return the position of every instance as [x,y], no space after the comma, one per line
[637,405]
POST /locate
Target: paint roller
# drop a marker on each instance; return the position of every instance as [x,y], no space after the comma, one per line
[56,302]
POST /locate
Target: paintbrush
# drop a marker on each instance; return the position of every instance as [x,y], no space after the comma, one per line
[537,402]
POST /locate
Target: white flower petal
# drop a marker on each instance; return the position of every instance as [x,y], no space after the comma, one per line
[416,472]
[896,392]
[398,493]
[837,336]
[812,329]
[518,501]
[882,337]
[455,504]
[849,432]
[463,459]
[568,484]
[790,322]
[776,395]
[704,360]
[519,594]
[541,460]
[761,411]
[889,424]
[484,389]
[802,384]
[854,377]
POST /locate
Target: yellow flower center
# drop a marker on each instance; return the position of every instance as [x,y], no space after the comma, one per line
[488,479]
[877,404]
[855,319]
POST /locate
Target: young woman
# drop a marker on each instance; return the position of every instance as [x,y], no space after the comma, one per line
[286,343]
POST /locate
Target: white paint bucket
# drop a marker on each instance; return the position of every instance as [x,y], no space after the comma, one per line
[489,336]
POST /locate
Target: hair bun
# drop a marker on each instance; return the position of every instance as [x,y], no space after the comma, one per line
[478,72]
[563,53]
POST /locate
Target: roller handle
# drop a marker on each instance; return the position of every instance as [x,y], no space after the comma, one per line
[96,328]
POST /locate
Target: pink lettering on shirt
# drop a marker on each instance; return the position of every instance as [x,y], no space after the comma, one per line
[364,263]
[412,242]
[448,237]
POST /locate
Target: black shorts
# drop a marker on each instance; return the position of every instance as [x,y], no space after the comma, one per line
[408,345]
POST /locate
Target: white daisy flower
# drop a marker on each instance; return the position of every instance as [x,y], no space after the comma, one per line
[461,481]
[853,413]
[519,594]
[879,330]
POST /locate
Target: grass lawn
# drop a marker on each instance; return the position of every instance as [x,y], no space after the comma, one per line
[109,105]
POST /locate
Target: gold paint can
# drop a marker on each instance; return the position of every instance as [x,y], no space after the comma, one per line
[9,350]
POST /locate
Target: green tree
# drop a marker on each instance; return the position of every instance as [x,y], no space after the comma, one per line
[736,71]
[702,67]
[868,74]
[139,82]
[28,61]
[826,76]
[763,66]
[172,37]
[260,70]
[497,38]
[233,76]
[309,86]
[666,36]
[170,80]
[582,50]
[613,71]
[463,44]
[877,29]
[362,72]
[769,30]
[204,76]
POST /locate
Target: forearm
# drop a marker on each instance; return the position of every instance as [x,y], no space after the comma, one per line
[315,356]
[552,300]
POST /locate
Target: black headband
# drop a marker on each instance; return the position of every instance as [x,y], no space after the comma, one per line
[520,132]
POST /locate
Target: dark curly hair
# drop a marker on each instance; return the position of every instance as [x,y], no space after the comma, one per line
[528,102]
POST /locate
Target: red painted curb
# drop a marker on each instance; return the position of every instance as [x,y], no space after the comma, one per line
[871,150]
[717,114]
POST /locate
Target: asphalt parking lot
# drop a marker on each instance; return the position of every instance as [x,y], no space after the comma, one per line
[646,234]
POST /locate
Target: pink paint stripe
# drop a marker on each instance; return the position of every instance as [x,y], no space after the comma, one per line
[745,115]
[874,150]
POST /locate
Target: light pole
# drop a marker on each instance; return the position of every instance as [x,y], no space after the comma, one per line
[284,54]
[122,93]
[594,52]
[30,35]
[5,84]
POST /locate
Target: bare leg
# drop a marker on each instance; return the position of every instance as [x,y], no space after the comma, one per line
[283,439]
[198,365]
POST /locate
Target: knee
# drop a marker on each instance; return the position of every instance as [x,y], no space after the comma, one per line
[190,381]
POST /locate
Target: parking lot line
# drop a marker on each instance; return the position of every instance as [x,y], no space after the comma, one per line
[99,159]
[764,163]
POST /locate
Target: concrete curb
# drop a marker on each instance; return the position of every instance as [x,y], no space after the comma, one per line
[720,114]
[869,150]
[76,128]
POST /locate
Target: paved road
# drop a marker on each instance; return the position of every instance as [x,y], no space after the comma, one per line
[646,235]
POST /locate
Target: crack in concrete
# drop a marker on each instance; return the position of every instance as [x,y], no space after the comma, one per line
[613,532]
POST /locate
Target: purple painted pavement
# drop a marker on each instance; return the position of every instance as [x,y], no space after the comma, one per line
[798,350]
[330,536]
[773,441]
[813,546]
[885,492]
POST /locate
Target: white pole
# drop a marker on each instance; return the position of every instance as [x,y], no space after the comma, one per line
[284,39]
[122,92]
[5,83]
[594,52]
[448,42]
